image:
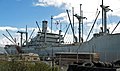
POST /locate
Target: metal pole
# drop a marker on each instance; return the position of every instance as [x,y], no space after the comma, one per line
[60,32]
[105,22]
[92,26]
[66,31]
[115,27]
[70,23]
[80,24]
[38,26]
[102,16]
[105,9]
[73,22]
[26,36]
[51,23]
[79,31]
[8,38]
[10,35]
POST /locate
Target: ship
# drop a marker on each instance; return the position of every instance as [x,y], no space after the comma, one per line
[46,44]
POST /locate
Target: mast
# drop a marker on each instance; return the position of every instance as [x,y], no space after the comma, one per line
[21,34]
[26,37]
[80,25]
[60,32]
[102,16]
[73,23]
[51,23]
[80,18]
[105,9]
[105,21]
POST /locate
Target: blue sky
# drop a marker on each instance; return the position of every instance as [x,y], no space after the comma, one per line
[16,14]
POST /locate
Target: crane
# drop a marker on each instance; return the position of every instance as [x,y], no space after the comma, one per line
[21,33]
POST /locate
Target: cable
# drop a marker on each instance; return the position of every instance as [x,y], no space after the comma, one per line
[115,27]
[93,25]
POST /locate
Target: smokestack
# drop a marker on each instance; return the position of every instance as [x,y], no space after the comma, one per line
[44,26]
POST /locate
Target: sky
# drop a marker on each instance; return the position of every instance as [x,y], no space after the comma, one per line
[16,14]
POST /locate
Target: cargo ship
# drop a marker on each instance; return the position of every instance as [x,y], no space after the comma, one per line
[46,44]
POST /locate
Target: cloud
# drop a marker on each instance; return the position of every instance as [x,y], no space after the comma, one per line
[9,28]
[4,41]
[15,29]
[13,32]
[55,3]
[60,15]
[89,7]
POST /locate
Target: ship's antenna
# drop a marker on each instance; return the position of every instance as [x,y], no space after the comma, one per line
[93,25]
[115,27]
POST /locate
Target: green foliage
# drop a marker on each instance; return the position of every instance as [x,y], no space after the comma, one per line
[25,66]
